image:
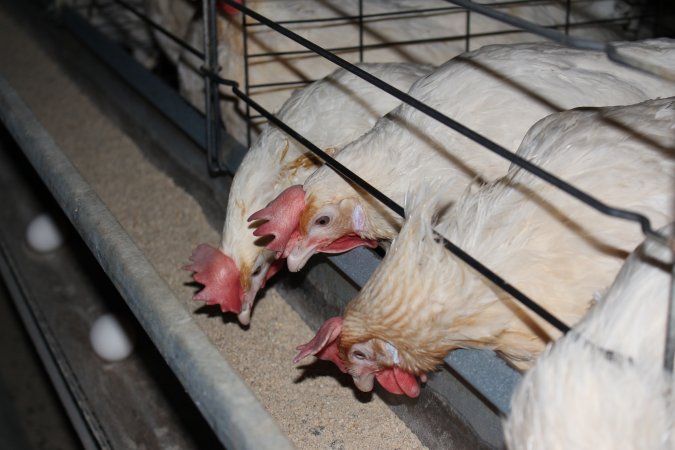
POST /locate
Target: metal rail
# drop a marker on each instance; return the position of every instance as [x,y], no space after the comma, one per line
[211,91]
[228,405]
[669,351]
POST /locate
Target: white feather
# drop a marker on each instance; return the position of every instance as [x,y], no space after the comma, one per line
[577,397]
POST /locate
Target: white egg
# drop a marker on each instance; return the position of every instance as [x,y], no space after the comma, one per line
[110,340]
[43,235]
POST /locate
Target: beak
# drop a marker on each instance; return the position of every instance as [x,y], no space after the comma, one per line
[249,295]
[247,305]
[300,254]
[364,382]
[245,316]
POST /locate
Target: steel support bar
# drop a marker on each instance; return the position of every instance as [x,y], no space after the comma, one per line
[211,87]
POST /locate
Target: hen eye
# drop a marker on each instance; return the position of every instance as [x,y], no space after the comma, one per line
[358,355]
[323,220]
[256,272]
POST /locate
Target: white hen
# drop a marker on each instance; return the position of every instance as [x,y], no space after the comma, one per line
[497,91]
[330,113]
[579,396]
[422,302]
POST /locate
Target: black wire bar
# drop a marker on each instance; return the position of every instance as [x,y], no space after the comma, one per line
[468,36]
[406,13]
[591,201]
[669,350]
[382,15]
[398,209]
[160,28]
[212,91]
[360,22]
[247,79]
[576,42]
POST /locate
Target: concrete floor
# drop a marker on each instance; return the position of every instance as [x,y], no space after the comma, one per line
[31,416]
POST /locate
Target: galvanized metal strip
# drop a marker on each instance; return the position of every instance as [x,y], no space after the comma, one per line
[236,416]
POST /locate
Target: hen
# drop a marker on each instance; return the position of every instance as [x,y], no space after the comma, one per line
[330,113]
[580,396]
[422,302]
[497,91]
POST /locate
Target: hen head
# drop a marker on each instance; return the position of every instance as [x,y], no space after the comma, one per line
[303,226]
[233,287]
[336,226]
[366,361]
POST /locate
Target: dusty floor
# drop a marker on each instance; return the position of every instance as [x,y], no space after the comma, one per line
[27,399]
[315,408]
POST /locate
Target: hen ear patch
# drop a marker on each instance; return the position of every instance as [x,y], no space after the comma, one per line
[393,352]
[358,219]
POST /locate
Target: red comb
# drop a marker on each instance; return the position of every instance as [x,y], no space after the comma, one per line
[227,9]
[220,277]
[283,216]
[325,344]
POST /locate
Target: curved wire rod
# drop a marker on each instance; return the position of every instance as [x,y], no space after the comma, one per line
[548,33]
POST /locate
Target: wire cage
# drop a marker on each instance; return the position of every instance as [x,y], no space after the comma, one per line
[367,37]
[268,67]
[430,32]
[372,32]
